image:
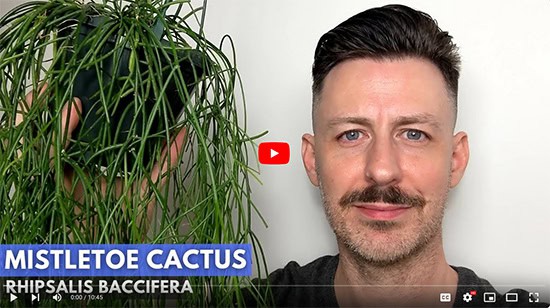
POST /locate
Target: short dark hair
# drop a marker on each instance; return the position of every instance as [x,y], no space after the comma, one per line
[388,32]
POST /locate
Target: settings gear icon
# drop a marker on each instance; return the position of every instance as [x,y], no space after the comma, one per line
[467,297]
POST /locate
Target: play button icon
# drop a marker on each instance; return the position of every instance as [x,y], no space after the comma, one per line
[12,297]
[274,153]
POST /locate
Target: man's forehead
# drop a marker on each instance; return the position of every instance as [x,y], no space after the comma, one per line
[404,87]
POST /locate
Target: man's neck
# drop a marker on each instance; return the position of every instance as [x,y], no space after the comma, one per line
[418,279]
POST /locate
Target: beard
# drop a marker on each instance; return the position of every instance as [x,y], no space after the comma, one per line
[379,242]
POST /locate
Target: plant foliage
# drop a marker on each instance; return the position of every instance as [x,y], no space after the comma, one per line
[205,198]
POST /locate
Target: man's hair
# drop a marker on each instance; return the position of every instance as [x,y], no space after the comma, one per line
[389,32]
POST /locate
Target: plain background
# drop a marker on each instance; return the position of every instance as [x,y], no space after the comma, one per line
[498,218]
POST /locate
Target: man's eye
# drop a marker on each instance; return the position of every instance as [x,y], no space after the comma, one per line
[415,135]
[351,135]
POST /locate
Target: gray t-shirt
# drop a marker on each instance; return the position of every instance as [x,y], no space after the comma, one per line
[311,285]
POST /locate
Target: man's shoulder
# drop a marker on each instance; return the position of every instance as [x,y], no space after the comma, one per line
[318,272]
[474,291]
[310,285]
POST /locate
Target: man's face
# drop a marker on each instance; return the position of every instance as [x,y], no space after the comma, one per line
[384,155]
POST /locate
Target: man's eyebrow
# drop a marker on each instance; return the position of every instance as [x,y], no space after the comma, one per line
[349,120]
[419,118]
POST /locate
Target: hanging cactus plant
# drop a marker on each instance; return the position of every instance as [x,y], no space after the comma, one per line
[120,123]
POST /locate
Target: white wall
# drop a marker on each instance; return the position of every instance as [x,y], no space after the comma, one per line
[498,221]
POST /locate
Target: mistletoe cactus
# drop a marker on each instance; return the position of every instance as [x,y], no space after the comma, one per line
[120,122]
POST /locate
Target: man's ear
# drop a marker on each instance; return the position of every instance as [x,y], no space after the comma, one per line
[460,157]
[308,157]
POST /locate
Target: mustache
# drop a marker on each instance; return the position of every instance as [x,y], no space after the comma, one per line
[375,193]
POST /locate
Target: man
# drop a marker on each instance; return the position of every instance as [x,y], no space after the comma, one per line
[384,155]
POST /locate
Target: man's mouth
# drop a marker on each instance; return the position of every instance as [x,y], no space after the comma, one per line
[381,211]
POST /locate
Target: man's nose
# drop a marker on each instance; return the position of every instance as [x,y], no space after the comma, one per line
[382,167]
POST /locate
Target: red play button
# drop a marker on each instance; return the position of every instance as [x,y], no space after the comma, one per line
[274,153]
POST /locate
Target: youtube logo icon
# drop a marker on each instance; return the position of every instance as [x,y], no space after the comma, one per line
[274,153]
